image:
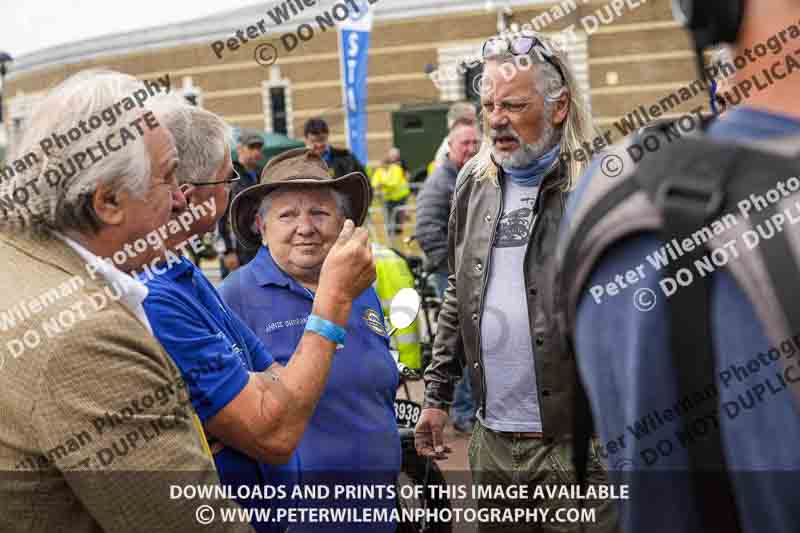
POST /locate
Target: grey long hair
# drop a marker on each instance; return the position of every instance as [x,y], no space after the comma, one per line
[576,128]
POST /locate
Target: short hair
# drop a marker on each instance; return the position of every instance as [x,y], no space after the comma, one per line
[68,204]
[343,205]
[315,126]
[202,140]
[460,111]
[463,121]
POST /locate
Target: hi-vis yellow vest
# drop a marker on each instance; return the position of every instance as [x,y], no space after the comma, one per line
[431,167]
[392,181]
[393,275]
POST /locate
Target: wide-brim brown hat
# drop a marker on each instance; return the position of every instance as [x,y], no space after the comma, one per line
[300,166]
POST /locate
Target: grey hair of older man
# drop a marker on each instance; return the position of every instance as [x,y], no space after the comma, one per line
[66,204]
[576,129]
[202,138]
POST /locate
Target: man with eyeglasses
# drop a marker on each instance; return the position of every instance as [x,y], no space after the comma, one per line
[254,410]
[506,209]
[71,461]
[249,157]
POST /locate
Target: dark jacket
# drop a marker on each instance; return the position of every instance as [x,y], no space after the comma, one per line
[433,210]
[344,162]
[224,226]
[477,206]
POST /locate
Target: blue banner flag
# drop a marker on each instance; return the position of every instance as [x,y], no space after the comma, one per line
[354,45]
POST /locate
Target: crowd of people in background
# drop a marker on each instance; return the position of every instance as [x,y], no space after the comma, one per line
[283,376]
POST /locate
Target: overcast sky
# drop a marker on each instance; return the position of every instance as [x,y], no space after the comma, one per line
[30,25]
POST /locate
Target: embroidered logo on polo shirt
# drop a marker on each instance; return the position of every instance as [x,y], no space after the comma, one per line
[280,324]
[373,321]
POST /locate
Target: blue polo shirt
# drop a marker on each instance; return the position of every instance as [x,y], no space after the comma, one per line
[214,351]
[624,358]
[352,436]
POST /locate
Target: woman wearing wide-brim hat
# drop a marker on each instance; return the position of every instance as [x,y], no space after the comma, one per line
[295,214]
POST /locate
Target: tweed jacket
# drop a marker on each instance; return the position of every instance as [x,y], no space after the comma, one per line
[95,423]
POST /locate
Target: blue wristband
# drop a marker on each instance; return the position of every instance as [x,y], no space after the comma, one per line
[326,328]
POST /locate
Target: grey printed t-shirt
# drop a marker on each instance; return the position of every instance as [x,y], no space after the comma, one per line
[512,402]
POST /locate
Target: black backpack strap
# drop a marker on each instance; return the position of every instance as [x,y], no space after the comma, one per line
[581,432]
[772,281]
[687,182]
[782,268]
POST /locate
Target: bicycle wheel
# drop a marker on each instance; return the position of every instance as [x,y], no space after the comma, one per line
[414,468]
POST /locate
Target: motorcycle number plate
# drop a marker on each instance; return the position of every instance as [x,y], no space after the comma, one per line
[407,413]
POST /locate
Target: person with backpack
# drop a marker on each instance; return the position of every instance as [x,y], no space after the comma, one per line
[676,283]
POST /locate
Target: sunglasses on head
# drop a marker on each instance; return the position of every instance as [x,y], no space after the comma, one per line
[520,46]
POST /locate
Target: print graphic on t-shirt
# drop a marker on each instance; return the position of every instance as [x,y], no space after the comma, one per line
[515,225]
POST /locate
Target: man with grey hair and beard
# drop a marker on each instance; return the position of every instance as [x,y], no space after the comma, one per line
[507,206]
[95,422]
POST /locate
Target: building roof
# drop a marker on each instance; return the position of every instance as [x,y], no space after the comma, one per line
[223,25]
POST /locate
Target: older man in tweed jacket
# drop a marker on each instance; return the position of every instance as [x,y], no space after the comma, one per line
[95,421]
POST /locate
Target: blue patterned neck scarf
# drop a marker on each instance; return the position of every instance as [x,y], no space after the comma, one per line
[532,175]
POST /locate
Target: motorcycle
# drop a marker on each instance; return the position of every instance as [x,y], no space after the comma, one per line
[420,471]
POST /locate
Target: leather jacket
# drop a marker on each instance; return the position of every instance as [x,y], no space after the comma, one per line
[472,225]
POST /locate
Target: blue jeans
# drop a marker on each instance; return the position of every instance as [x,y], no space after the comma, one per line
[463,411]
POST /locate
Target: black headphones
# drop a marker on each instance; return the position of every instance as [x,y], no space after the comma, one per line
[710,21]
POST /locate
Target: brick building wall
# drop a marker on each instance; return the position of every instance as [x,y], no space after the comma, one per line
[637,59]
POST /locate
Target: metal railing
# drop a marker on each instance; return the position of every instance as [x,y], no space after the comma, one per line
[385,230]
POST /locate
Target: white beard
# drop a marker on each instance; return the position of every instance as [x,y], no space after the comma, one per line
[526,154]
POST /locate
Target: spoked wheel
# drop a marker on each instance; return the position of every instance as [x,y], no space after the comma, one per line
[422,472]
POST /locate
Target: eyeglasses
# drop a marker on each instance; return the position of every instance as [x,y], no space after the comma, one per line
[228,182]
[507,107]
[520,46]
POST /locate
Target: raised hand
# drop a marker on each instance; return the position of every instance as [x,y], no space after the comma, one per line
[349,268]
